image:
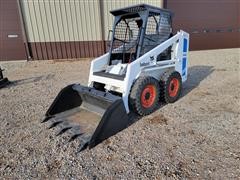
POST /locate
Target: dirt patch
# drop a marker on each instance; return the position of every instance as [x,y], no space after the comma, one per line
[159,119]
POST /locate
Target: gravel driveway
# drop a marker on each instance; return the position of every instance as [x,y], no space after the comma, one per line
[196,137]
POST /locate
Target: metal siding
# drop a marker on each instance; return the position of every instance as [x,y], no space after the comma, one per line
[212,24]
[60,29]
[111,5]
[58,17]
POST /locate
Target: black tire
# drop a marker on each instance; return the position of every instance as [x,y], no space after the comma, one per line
[144,96]
[170,94]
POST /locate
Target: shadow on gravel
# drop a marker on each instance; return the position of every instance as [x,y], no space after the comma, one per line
[25,81]
[196,74]
[30,80]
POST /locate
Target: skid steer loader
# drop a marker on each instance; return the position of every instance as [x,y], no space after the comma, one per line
[145,64]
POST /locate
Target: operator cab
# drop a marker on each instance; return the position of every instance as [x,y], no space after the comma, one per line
[137,30]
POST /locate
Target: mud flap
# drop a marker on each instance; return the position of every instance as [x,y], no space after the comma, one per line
[87,114]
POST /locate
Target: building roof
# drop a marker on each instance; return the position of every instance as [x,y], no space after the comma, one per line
[139,7]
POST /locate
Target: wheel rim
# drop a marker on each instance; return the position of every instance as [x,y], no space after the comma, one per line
[173,87]
[148,96]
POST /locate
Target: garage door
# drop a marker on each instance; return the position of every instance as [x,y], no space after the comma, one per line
[11,40]
[212,24]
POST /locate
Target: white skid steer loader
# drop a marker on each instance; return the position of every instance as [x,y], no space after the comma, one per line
[145,64]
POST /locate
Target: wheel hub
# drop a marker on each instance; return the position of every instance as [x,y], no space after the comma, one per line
[148,96]
[173,87]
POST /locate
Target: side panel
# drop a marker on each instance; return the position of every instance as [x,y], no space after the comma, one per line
[97,65]
[185,57]
[182,55]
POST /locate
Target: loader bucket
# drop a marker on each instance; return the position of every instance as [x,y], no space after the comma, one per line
[87,114]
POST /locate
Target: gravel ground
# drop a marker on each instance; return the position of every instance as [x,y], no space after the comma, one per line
[196,137]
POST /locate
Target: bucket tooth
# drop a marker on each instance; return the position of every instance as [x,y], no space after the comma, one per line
[56,120]
[63,127]
[54,123]
[74,136]
[84,143]
[63,130]
[75,132]
[82,147]
[47,118]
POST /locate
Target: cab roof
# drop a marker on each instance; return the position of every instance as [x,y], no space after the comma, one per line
[140,7]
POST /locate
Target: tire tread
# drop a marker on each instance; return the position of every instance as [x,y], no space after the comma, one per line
[135,101]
